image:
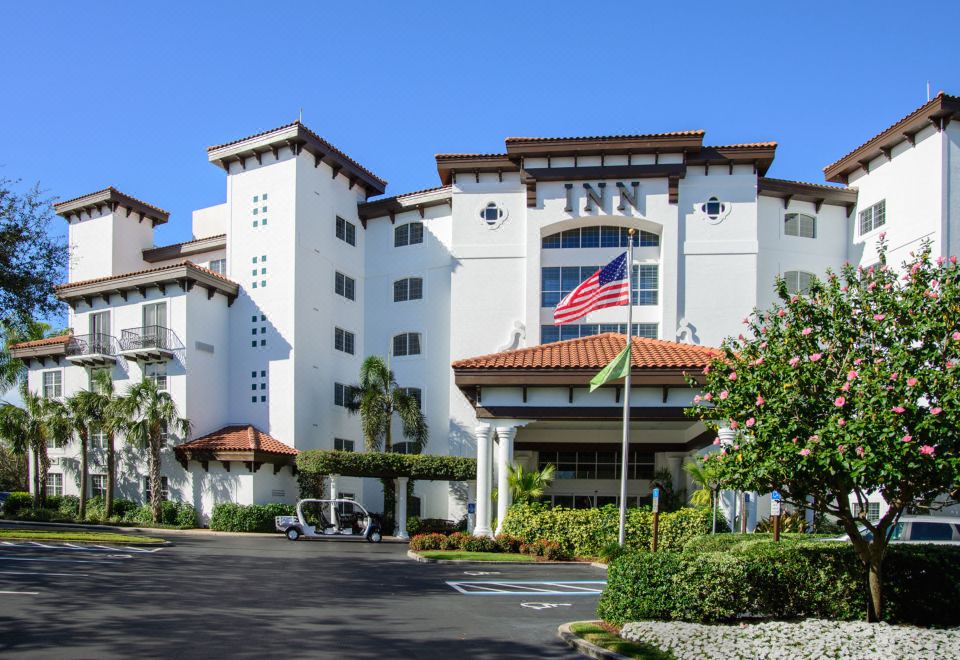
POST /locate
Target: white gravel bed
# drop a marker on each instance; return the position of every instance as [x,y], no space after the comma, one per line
[813,638]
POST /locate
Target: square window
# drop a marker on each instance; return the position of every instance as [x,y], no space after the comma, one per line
[157,372]
[254,285]
[254,319]
[253,331]
[52,384]
[263,399]
[255,223]
[263,258]
[263,317]
[264,196]
[263,374]
[255,200]
[253,387]
[253,399]
[254,272]
[263,271]
[254,211]
[253,374]
[263,342]
[263,283]
[263,330]
[264,209]
[254,260]
[253,344]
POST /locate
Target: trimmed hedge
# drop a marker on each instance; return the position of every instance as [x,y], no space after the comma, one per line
[586,532]
[741,542]
[230,517]
[782,581]
[387,465]
[417,525]
[16,502]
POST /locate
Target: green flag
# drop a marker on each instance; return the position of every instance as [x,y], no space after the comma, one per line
[617,368]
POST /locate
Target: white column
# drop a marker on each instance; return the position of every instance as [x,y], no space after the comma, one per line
[676,473]
[483,433]
[401,514]
[505,436]
[729,498]
[333,496]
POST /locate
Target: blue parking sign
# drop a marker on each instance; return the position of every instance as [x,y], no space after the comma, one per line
[471,507]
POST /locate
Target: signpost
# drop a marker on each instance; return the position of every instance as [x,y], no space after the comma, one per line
[775,499]
[656,519]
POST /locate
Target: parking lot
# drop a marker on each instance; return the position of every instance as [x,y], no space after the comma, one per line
[250,596]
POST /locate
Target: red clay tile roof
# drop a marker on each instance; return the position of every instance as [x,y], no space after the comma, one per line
[159,269]
[472,156]
[113,191]
[807,183]
[595,352]
[239,437]
[743,145]
[182,243]
[46,341]
[607,137]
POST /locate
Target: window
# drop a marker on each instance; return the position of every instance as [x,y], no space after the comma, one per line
[798,281]
[98,485]
[873,511]
[416,393]
[557,282]
[800,224]
[405,448]
[100,333]
[552,333]
[154,318]
[345,286]
[491,213]
[341,394]
[343,340]
[645,285]
[339,444]
[346,231]
[407,343]
[930,531]
[95,377]
[596,464]
[164,489]
[219,266]
[595,237]
[98,438]
[52,384]
[410,288]
[54,484]
[873,217]
[408,234]
[157,372]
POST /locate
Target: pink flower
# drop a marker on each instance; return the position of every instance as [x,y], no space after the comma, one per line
[956,336]
[883,235]
[723,452]
[860,451]
[804,452]
[949,364]
[844,288]
[907,438]
[842,448]
[898,409]
[845,387]
[839,401]
[953,259]
[794,299]
[914,268]
[763,330]
[936,411]
[733,375]
[736,447]
[696,399]
[706,458]
[760,400]
[857,362]
[745,321]
[708,397]
[723,395]
[940,260]
[894,375]
[887,286]
[781,313]
[706,370]
[716,441]
[816,357]
[794,441]
[734,424]
[751,422]
[871,286]
[851,375]
[794,361]
[763,344]
[911,382]
[927,450]
[806,331]
[814,438]
[841,422]
[878,317]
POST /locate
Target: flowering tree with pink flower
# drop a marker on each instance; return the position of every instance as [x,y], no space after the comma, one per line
[848,389]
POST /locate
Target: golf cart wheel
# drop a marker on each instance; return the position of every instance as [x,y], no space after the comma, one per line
[374,537]
[293,534]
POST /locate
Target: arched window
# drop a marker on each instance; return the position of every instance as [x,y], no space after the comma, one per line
[800,224]
[407,343]
[409,288]
[408,234]
[798,281]
[598,237]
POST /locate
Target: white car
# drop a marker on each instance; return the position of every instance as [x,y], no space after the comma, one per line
[339,517]
[921,529]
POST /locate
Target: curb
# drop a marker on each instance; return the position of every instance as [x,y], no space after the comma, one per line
[426,560]
[583,646]
[598,564]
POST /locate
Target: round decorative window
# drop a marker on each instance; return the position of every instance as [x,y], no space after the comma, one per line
[493,214]
[713,210]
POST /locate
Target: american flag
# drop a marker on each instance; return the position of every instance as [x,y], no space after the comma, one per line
[608,287]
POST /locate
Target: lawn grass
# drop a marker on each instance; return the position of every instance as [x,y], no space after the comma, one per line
[463,555]
[594,634]
[83,536]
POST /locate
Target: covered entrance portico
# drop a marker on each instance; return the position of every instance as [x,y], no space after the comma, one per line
[533,407]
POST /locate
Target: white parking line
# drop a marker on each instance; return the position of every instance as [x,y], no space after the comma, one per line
[82,548]
[20,593]
[529,587]
[63,561]
[44,574]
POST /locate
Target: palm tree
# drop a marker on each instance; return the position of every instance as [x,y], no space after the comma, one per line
[109,418]
[57,429]
[82,407]
[22,429]
[149,413]
[13,370]
[704,477]
[378,398]
[529,485]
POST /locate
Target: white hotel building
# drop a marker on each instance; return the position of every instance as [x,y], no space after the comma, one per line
[257,325]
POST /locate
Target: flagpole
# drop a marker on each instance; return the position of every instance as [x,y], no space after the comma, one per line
[624,450]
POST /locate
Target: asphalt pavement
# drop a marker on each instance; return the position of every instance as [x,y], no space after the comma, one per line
[210,597]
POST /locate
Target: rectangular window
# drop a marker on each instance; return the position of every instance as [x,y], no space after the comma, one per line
[52,384]
[343,340]
[800,224]
[341,394]
[339,444]
[557,282]
[157,372]
[873,511]
[346,231]
[552,333]
[98,438]
[219,266]
[873,217]
[345,286]
[408,234]
[596,464]
[54,484]
[416,393]
[164,489]
[155,324]
[98,485]
[645,285]
[409,288]
[100,333]
[407,343]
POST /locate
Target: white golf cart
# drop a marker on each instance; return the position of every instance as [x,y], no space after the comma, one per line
[330,518]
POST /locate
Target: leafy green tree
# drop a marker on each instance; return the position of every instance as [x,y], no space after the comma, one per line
[57,431]
[95,410]
[82,408]
[377,398]
[13,370]
[148,414]
[706,480]
[32,256]
[529,485]
[110,418]
[849,389]
[22,428]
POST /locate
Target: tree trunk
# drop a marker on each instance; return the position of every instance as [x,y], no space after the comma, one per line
[84,468]
[155,479]
[42,474]
[111,478]
[36,478]
[875,582]
[388,440]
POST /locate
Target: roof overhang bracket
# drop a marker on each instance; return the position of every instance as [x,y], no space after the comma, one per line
[786,200]
[336,170]
[887,152]
[911,138]
[817,204]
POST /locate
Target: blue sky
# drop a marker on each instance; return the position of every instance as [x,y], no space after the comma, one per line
[131,93]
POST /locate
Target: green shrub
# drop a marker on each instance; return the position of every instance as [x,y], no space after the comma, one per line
[738,542]
[387,465]
[480,544]
[427,542]
[66,506]
[586,532]
[508,543]
[17,502]
[456,541]
[417,525]
[611,551]
[121,507]
[551,550]
[782,581]
[230,517]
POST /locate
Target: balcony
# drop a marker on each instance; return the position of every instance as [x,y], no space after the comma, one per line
[92,350]
[150,343]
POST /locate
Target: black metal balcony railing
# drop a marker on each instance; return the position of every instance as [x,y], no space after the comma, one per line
[149,336]
[97,344]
